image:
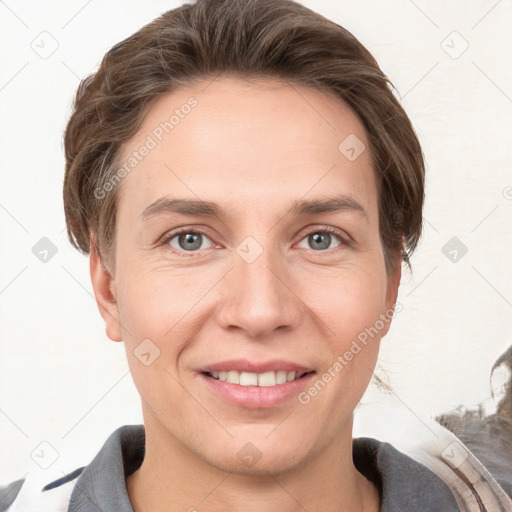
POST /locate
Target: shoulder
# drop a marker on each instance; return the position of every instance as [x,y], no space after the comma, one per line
[442,474]
[36,493]
[404,483]
[85,488]
[429,445]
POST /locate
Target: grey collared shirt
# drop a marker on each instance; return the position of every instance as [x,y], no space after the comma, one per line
[404,484]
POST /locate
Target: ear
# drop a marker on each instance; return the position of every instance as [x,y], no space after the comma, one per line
[105,293]
[394,277]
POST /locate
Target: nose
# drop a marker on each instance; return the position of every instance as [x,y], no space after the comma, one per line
[259,297]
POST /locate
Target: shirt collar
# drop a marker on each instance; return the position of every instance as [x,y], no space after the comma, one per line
[404,484]
[102,484]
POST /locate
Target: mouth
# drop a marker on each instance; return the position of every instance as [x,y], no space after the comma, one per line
[250,390]
[256,384]
[265,379]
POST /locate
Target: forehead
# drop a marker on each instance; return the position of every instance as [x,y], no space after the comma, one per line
[247,139]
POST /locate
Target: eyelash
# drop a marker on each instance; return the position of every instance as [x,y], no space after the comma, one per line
[343,239]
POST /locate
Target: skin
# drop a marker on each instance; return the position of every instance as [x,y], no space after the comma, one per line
[252,147]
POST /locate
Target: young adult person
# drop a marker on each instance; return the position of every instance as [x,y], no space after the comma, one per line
[247,188]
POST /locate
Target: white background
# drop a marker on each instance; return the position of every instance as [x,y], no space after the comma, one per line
[64,383]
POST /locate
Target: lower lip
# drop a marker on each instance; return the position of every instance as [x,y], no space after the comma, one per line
[257,397]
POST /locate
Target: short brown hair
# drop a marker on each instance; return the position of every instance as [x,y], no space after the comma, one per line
[247,38]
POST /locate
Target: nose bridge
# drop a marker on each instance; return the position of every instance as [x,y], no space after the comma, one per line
[258,298]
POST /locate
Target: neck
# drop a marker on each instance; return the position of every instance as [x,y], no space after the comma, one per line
[171,475]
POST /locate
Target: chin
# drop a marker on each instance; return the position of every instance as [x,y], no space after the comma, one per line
[273,463]
[256,454]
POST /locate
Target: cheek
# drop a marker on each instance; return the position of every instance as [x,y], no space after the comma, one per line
[155,312]
[162,303]
[348,302]
[351,309]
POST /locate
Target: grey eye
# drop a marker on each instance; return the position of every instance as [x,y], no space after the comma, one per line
[188,241]
[319,240]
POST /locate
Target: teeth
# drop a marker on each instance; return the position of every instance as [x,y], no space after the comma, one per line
[267,379]
[282,376]
[246,379]
[256,379]
[234,377]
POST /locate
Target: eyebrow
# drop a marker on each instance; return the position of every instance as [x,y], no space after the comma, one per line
[338,203]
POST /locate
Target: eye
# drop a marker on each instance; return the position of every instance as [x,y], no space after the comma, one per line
[192,241]
[187,240]
[321,239]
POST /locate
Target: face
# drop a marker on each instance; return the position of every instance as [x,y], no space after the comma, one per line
[248,249]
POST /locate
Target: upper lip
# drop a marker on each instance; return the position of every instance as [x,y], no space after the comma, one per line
[244,365]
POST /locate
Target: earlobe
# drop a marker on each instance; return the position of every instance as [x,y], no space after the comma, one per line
[105,293]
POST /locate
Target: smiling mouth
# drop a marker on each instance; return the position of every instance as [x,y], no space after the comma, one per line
[265,379]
